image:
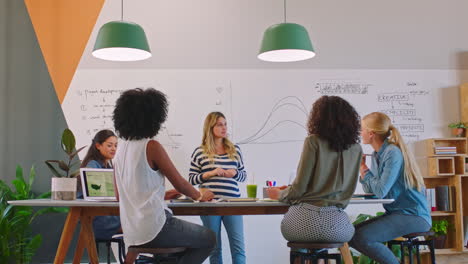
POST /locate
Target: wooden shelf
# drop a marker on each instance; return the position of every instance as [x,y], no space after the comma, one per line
[448,155]
[449,170]
[441,176]
[459,143]
[441,213]
[441,166]
[444,251]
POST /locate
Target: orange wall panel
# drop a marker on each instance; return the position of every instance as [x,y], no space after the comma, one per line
[63,28]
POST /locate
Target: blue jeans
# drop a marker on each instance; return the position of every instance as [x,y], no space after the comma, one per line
[198,240]
[234,225]
[370,235]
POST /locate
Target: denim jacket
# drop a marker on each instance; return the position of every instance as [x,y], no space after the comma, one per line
[386,180]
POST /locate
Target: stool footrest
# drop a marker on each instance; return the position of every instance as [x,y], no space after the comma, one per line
[156,250]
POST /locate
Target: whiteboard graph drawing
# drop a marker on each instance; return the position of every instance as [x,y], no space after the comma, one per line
[266,128]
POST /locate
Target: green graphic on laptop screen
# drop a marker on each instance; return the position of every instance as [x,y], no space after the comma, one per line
[100,183]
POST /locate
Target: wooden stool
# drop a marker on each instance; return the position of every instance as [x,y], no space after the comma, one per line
[118,238]
[314,251]
[133,252]
[411,241]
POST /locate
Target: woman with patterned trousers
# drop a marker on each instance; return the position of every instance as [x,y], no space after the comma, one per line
[326,176]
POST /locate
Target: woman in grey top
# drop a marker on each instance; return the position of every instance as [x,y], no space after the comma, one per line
[326,177]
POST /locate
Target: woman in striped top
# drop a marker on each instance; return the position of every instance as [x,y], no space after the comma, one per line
[217,165]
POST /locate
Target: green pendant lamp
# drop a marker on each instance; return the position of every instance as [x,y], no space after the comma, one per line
[121,41]
[286,42]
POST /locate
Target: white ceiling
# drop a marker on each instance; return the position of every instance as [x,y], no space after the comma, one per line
[357,34]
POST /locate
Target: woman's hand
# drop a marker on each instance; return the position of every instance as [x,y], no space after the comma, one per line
[206,195]
[363,168]
[172,194]
[230,173]
[274,192]
[215,172]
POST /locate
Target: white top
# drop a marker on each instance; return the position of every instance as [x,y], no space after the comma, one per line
[141,193]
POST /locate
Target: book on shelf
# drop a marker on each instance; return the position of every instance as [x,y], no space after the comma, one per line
[431,201]
[452,198]
[441,198]
[445,150]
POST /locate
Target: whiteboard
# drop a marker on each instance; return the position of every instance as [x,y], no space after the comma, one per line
[266,110]
[267,113]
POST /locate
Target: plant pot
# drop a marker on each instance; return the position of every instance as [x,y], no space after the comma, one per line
[63,188]
[439,241]
[458,132]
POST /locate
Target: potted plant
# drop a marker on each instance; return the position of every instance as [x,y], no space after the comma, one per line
[458,128]
[64,184]
[440,228]
[17,242]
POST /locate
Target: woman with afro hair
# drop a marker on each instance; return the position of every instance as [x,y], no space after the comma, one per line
[141,166]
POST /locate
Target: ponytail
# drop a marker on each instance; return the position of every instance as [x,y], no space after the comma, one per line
[381,124]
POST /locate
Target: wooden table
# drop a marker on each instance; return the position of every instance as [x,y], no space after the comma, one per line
[84,211]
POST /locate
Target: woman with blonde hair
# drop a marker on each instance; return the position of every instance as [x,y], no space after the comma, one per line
[218,166]
[394,174]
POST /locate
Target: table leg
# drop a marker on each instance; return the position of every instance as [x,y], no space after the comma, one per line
[67,234]
[346,254]
[88,234]
[80,246]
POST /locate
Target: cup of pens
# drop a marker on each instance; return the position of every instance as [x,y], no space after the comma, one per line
[268,185]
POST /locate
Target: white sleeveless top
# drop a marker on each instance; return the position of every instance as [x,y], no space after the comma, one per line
[141,193]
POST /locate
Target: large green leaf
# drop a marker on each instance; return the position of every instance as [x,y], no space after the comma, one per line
[32,177]
[63,165]
[20,186]
[68,141]
[53,169]
[75,174]
[72,155]
[44,195]
[19,182]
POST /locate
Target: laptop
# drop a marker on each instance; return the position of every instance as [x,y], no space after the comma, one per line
[98,184]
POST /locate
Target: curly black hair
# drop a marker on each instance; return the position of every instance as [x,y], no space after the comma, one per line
[335,120]
[140,113]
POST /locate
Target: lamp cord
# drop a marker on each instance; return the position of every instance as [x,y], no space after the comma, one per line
[121,10]
[284,10]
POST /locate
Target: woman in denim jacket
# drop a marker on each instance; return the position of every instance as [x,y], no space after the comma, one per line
[394,174]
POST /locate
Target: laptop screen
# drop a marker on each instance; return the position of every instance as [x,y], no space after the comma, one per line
[97,183]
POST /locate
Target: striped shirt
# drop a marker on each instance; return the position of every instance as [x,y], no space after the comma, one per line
[220,186]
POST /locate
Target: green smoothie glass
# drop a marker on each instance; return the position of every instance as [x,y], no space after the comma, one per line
[252,190]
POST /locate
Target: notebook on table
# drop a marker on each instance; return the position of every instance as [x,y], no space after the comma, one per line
[98,184]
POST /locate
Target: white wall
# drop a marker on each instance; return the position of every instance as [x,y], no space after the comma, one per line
[359,34]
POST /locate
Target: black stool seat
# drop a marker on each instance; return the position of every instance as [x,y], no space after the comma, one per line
[133,251]
[314,245]
[417,234]
[411,242]
[313,251]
